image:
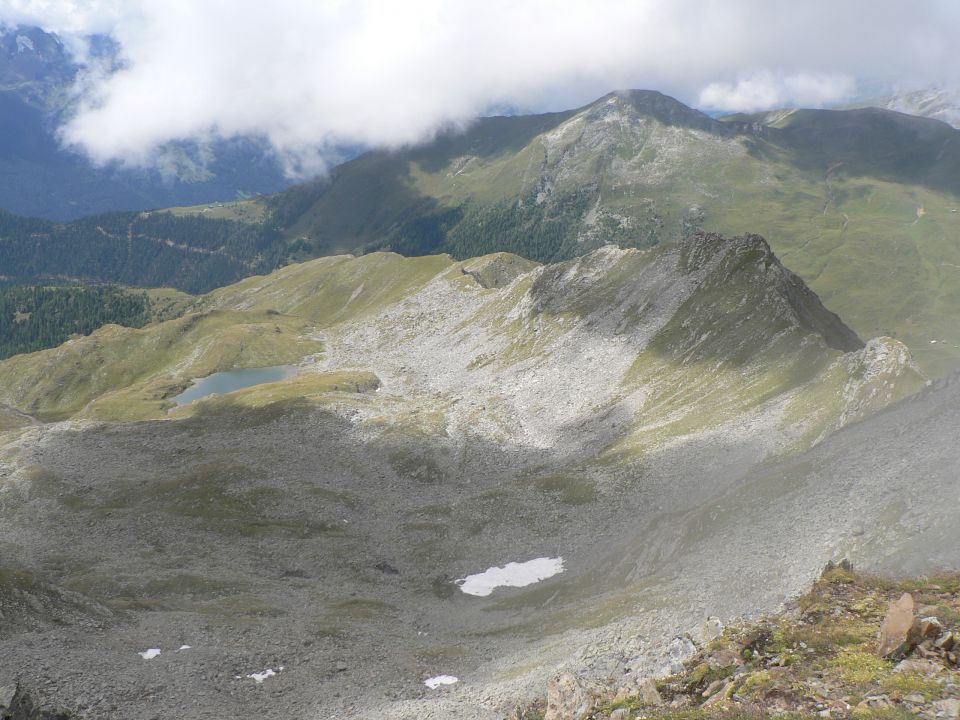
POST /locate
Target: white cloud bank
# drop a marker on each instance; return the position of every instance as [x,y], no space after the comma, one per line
[312,74]
[764,90]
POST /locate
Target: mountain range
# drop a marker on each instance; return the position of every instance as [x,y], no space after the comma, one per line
[863,204]
[939,103]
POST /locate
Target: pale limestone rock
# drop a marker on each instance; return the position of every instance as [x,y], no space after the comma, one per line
[679,651]
[922,667]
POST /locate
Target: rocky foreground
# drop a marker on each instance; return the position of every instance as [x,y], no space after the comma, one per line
[854,646]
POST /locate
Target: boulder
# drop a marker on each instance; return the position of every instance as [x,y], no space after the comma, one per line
[900,630]
[920,667]
[876,702]
[930,627]
[722,695]
[679,651]
[17,704]
[712,688]
[567,699]
[724,657]
[649,693]
[709,629]
[949,708]
[945,642]
[7,693]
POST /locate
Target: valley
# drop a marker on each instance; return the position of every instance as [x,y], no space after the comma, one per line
[662,421]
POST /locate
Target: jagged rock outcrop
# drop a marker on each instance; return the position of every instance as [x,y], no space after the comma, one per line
[17,703]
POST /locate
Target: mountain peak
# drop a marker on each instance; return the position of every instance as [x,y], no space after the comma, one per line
[748,263]
[665,109]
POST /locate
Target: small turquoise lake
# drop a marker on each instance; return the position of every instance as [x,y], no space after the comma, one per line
[224,382]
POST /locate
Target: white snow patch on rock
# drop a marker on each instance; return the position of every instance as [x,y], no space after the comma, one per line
[259,677]
[435,682]
[511,575]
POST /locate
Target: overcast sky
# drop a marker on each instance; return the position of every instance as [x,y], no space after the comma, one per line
[311,74]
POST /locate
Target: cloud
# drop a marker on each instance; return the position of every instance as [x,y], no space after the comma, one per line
[763,90]
[311,75]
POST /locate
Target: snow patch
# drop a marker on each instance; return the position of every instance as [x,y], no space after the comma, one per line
[150,654]
[435,682]
[511,575]
[259,677]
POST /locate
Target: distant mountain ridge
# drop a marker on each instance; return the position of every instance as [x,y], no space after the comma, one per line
[39,178]
[939,103]
[862,204]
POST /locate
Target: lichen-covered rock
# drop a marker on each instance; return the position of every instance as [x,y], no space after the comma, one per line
[949,708]
[648,692]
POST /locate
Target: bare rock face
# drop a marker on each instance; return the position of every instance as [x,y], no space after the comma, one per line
[900,631]
[567,699]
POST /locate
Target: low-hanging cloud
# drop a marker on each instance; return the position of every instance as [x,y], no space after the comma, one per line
[764,90]
[311,75]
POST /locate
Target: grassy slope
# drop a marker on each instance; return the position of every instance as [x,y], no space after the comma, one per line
[333,289]
[749,335]
[251,211]
[124,373]
[859,204]
[120,373]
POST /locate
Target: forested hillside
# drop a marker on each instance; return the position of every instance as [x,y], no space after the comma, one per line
[37,317]
[148,249]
